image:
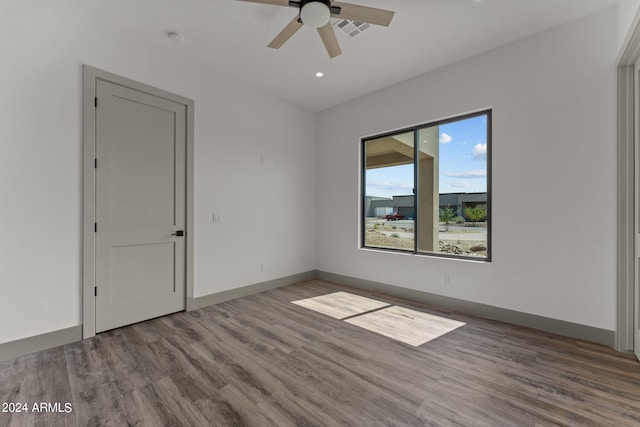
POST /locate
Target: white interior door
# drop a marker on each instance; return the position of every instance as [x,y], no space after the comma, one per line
[140,206]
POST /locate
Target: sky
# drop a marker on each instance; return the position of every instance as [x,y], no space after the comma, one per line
[463,163]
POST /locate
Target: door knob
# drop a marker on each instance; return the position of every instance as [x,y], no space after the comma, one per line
[178,233]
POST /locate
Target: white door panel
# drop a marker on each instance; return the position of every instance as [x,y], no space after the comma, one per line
[140,205]
[140,270]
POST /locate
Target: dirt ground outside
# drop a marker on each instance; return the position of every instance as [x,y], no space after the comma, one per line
[457,239]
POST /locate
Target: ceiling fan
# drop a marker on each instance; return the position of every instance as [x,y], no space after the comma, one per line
[317,14]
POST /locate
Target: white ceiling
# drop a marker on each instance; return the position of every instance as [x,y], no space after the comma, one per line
[231,37]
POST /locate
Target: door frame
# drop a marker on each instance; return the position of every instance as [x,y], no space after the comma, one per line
[627,206]
[90,76]
[636,295]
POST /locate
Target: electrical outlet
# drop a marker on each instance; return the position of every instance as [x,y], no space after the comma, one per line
[263,267]
[278,266]
[446,279]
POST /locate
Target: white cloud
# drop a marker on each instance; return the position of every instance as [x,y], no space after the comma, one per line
[388,189]
[479,152]
[459,184]
[445,139]
[389,186]
[466,174]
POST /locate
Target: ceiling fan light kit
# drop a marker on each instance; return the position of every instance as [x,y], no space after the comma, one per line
[318,13]
[315,14]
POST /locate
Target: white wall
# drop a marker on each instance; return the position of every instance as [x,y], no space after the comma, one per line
[554,175]
[268,211]
[627,11]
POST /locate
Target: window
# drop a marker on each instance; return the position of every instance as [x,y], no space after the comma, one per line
[427,189]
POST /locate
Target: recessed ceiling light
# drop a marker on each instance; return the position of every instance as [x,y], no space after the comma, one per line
[319,74]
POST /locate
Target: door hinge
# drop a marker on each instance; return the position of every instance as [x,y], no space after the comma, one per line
[95,163]
[95,102]
[95,291]
[95,227]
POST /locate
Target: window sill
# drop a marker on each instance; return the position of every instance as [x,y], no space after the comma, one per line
[475,260]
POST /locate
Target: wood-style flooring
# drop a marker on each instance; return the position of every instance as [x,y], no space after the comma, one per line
[340,305]
[409,326]
[263,361]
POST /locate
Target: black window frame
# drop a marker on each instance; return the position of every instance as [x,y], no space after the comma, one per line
[416,132]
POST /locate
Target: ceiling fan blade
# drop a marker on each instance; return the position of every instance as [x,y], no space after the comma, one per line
[273,2]
[286,33]
[329,39]
[354,12]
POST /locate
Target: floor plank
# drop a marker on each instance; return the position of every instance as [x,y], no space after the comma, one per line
[263,361]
